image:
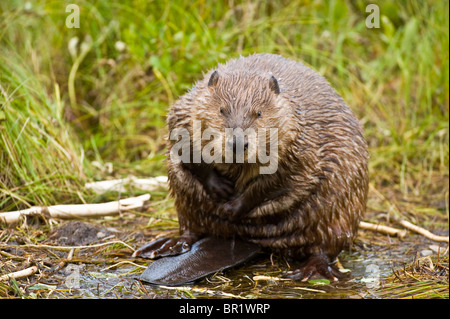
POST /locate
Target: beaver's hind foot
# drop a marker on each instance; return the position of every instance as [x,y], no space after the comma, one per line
[316,267]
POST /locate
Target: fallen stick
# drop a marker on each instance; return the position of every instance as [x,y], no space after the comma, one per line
[68,247]
[406,224]
[309,289]
[402,232]
[423,231]
[202,290]
[118,185]
[268,278]
[383,229]
[19,274]
[77,210]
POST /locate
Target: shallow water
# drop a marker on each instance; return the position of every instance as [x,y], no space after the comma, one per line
[367,267]
[111,272]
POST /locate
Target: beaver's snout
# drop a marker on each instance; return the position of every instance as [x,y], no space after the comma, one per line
[237,143]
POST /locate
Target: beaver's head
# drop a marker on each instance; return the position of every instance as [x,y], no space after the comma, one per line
[242,114]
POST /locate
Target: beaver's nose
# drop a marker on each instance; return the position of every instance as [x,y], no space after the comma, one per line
[238,143]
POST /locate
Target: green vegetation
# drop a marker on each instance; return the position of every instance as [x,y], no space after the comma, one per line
[425,278]
[66,104]
[73,100]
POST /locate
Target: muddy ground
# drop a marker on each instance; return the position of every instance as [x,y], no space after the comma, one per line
[92,259]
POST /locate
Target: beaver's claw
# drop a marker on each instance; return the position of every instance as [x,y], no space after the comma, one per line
[163,247]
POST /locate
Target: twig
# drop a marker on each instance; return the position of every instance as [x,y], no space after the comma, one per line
[268,278]
[77,211]
[406,224]
[383,229]
[118,185]
[392,206]
[423,231]
[68,247]
[70,254]
[202,290]
[19,274]
[309,289]
[123,262]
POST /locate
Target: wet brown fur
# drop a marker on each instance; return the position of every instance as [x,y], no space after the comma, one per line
[322,160]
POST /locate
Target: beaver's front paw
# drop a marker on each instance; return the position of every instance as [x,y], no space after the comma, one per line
[219,188]
[234,208]
[163,247]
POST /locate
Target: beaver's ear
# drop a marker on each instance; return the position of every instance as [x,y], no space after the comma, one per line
[273,85]
[213,79]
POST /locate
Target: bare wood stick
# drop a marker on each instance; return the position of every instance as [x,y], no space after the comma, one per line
[70,254]
[68,247]
[20,274]
[383,229]
[267,278]
[423,231]
[202,290]
[123,262]
[118,185]
[309,289]
[408,225]
[78,210]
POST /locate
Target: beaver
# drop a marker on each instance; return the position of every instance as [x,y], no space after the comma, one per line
[310,206]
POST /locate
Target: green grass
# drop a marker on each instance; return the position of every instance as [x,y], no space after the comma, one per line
[60,110]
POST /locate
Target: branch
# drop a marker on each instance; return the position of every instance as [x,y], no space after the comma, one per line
[19,274]
[77,211]
[406,224]
[383,229]
[402,232]
[423,231]
[118,185]
[70,248]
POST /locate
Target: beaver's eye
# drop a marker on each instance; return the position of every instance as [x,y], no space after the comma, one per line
[258,114]
[221,110]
